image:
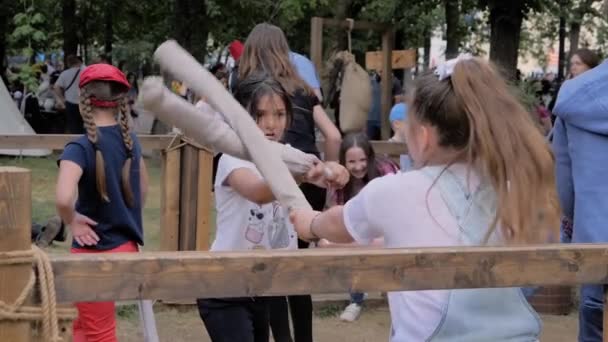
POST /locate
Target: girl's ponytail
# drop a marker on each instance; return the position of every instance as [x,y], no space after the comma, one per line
[505,146]
[92,135]
[127,191]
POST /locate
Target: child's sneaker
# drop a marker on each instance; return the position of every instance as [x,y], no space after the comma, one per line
[351,313]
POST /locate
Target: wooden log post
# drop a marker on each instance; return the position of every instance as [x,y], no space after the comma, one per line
[15,231]
[387,82]
[204,199]
[188,198]
[170,199]
[316,43]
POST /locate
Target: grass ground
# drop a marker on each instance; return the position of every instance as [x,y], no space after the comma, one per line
[182,323]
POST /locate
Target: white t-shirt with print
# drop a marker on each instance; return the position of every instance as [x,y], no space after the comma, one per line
[244,225]
[72,94]
[396,206]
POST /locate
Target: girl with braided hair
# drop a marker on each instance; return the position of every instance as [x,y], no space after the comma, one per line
[102,186]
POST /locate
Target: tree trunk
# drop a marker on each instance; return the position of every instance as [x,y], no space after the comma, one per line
[338,37]
[505,24]
[4,18]
[191,28]
[70,28]
[452,18]
[108,33]
[562,48]
[427,50]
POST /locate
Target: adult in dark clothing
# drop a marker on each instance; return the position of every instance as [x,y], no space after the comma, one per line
[266,50]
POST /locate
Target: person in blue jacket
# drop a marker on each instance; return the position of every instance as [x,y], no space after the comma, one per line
[580,143]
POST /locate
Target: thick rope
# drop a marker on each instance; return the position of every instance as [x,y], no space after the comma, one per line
[351,25]
[48,312]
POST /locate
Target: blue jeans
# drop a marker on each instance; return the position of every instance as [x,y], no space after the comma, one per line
[591,313]
[357,298]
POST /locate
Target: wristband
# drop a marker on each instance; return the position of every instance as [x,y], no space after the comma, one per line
[315,238]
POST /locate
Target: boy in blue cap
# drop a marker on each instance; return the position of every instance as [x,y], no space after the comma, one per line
[397,118]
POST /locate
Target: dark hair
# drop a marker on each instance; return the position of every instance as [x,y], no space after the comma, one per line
[476,113]
[217,66]
[358,140]
[250,91]
[134,85]
[588,57]
[72,60]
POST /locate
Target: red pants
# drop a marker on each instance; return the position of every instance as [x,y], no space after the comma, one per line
[96,321]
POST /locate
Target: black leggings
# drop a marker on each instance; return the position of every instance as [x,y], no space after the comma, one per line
[235,319]
[299,306]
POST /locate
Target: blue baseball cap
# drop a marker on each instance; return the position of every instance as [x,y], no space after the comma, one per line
[398,112]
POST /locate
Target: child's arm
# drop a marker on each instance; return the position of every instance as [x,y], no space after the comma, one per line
[255,189]
[331,133]
[249,185]
[65,199]
[143,180]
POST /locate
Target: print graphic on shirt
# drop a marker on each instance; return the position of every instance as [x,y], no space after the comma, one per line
[278,235]
[267,220]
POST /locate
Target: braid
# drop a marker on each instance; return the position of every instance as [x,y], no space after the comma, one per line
[91,128]
[126,137]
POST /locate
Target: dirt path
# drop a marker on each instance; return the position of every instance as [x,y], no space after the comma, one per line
[184,325]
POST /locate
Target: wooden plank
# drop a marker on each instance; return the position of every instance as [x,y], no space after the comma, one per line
[169,200]
[58,141]
[401,59]
[15,229]
[204,200]
[316,43]
[358,25]
[188,198]
[387,83]
[175,275]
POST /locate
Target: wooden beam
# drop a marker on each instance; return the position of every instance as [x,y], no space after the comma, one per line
[15,229]
[169,200]
[316,43]
[58,141]
[401,59]
[358,25]
[387,83]
[188,198]
[204,199]
[180,275]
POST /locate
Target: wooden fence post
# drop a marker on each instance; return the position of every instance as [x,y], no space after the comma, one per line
[188,198]
[316,43]
[387,82]
[170,198]
[15,231]
[204,199]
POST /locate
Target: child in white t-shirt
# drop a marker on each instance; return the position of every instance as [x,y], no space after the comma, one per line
[248,215]
[483,174]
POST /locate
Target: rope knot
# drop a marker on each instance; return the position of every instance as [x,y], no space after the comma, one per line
[48,312]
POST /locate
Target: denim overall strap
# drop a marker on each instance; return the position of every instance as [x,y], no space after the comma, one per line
[479,315]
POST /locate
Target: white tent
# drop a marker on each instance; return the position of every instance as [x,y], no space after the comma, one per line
[13,122]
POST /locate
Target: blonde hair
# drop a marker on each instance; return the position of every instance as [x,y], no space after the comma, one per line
[266,50]
[108,91]
[475,112]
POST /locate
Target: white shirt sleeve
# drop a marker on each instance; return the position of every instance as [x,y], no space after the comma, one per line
[358,218]
[61,80]
[227,164]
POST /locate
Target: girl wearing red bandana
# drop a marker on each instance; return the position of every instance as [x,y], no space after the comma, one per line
[102,186]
